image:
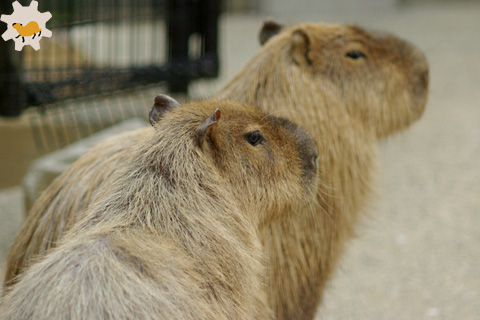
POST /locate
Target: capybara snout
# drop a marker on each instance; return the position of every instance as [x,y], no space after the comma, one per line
[417,67]
[308,154]
[410,61]
[305,146]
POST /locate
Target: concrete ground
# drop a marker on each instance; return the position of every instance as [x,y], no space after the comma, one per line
[417,255]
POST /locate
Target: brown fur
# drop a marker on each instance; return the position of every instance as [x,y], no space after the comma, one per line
[175,234]
[346,105]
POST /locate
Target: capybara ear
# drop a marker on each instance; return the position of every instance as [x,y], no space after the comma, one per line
[163,103]
[269,29]
[301,47]
[204,128]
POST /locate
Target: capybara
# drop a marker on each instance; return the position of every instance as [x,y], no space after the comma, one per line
[347,86]
[176,233]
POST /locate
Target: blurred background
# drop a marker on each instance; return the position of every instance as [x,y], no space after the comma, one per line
[417,254]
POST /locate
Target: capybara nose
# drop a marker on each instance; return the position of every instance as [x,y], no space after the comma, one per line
[314,160]
[425,78]
[420,71]
[311,160]
[309,155]
[420,84]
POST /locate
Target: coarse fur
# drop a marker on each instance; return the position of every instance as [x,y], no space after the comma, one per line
[303,72]
[346,105]
[176,233]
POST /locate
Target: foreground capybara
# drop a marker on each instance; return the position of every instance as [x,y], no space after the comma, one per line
[175,235]
[348,87]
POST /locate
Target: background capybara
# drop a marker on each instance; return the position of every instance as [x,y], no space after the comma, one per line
[175,235]
[348,87]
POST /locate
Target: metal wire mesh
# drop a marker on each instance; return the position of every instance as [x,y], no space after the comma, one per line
[97,47]
[100,48]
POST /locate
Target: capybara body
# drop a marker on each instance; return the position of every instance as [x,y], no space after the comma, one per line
[348,87]
[175,234]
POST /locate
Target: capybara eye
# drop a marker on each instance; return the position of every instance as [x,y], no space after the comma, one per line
[355,54]
[254,138]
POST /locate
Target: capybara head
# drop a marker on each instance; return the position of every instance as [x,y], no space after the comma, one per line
[268,162]
[381,79]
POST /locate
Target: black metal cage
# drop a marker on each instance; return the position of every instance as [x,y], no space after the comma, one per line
[101,46]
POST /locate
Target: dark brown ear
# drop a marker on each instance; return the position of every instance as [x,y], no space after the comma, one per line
[269,29]
[203,129]
[163,103]
[301,47]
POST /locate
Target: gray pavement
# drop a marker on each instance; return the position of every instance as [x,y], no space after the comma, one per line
[417,255]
